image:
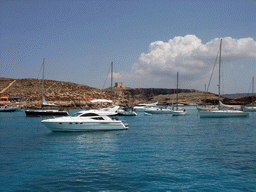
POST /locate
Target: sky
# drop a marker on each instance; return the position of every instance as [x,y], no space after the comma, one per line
[148,41]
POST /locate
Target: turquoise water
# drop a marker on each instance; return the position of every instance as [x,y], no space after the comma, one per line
[156,153]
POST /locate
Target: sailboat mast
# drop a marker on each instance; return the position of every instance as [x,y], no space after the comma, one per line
[219,71]
[205,95]
[177,90]
[252,90]
[43,81]
[111,81]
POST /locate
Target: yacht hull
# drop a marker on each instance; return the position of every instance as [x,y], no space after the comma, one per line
[81,126]
[158,111]
[223,114]
[250,109]
[8,110]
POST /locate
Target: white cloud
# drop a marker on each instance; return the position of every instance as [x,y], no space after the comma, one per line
[115,75]
[188,56]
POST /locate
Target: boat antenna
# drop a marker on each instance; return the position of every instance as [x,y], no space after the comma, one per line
[219,71]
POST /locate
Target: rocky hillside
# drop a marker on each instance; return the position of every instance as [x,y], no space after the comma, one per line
[61,93]
[74,95]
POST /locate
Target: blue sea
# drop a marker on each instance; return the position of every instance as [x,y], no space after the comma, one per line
[156,153]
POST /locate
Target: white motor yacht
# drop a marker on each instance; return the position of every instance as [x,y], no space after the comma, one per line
[83,121]
[158,110]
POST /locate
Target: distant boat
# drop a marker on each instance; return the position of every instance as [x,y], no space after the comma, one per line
[43,111]
[178,112]
[112,110]
[253,107]
[83,121]
[222,111]
[158,110]
[142,107]
[108,111]
[128,111]
[7,108]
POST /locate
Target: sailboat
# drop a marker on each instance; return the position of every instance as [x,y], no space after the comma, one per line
[253,107]
[222,111]
[43,111]
[178,112]
[112,110]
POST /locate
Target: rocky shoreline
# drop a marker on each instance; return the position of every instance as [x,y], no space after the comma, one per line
[72,95]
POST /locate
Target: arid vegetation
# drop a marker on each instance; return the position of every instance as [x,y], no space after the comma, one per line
[74,95]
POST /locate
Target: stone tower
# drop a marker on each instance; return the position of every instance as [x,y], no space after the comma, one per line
[119,85]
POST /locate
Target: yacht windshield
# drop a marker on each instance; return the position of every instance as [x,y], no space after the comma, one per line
[76,115]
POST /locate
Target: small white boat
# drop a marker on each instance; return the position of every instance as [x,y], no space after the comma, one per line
[7,108]
[179,112]
[126,112]
[159,110]
[142,107]
[83,121]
